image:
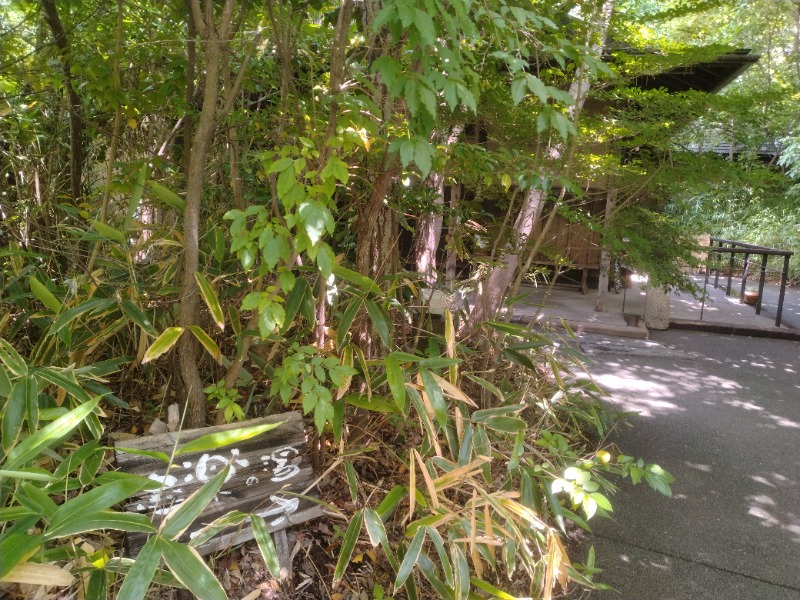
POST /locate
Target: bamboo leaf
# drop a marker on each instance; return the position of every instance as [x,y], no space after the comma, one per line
[348,545]
[183,515]
[168,197]
[108,232]
[39,574]
[138,579]
[192,571]
[211,300]
[37,500]
[136,314]
[14,414]
[347,320]
[390,501]
[410,558]
[231,519]
[460,572]
[12,359]
[25,474]
[50,435]
[380,321]
[397,381]
[66,381]
[212,441]
[16,548]
[104,519]
[162,456]
[162,343]
[5,383]
[266,545]
[488,386]
[69,315]
[44,295]
[434,392]
[93,501]
[356,278]
[123,566]
[207,343]
[136,196]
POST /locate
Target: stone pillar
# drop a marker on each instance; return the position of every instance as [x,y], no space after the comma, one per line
[656,308]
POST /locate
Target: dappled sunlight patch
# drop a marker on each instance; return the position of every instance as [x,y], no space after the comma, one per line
[638,395]
[765,509]
[699,467]
[774,420]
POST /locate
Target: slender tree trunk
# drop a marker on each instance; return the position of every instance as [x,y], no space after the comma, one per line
[605,253]
[429,229]
[452,232]
[75,110]
[500,277]
[214,35]
[429,232]
[191,62]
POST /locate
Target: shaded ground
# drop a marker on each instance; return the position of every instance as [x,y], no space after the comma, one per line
[722,413]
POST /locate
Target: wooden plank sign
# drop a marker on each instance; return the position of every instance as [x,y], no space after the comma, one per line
[267,474]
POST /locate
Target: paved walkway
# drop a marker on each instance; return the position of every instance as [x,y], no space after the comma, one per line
[719,313]
[722,414]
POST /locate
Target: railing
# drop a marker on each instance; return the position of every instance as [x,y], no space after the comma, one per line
[732,248]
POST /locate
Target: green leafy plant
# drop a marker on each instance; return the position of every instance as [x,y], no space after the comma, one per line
[227,400]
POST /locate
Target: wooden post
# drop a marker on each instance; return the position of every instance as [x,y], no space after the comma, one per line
[764,258]
[784,277]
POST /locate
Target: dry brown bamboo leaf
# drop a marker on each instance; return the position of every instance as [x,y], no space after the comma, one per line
[39,574]
[489,527]
[428,481]
[460,474]
[453,391]
[412,489]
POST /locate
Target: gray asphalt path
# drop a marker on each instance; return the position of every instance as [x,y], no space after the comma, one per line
[722,414]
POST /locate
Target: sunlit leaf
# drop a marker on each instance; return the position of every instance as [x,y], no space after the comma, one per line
[211,300]
[410,558]
[162,343]
[44,295]
[212,441]
[49,436]
[205,340]
[167,196]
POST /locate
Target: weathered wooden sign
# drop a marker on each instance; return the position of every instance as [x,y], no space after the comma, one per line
[269,476]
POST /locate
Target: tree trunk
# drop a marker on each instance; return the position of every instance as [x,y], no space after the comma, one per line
[377,229]
[75,110]
[213,36]
[429,232]
[605,253]
[429,229]
[452,226]
[500,277]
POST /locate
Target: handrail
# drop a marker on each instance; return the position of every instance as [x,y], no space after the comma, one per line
[736,247]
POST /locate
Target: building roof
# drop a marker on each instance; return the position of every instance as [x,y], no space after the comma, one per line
[708,76]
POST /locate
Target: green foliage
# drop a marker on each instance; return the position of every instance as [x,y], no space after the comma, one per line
[655,244]
[225,400]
